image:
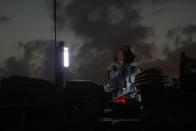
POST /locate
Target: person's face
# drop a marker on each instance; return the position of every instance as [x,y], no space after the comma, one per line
[121,58]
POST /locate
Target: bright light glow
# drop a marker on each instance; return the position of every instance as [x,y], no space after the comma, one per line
[66,57]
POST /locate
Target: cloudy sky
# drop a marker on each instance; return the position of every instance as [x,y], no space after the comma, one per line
[156,30]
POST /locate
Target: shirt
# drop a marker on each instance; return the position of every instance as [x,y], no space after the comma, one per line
[121,80]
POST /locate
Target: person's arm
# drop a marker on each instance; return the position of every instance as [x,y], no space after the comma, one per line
[107,73]
[107,81]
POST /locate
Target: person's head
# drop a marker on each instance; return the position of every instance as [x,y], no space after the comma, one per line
[123,55]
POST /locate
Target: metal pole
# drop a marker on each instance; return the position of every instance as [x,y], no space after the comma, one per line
[55,59]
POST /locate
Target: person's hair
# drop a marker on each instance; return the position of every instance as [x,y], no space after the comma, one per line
[129,56]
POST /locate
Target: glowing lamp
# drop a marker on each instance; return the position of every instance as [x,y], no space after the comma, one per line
[65,57]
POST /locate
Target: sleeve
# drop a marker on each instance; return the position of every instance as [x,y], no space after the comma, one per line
[107,83]
[107,73]
[138,70]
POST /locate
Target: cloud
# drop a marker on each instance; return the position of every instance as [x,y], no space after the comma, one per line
[189,29]
[159,11]
[183,43]
[4,19]
[36,60]
[106,25]
[170,33]
[160,1]
[103,26]
[177,31]
[174,33]
[16,66]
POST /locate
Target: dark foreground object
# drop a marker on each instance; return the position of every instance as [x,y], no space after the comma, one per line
[31,104]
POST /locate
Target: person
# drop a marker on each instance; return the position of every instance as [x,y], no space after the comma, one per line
[119,77]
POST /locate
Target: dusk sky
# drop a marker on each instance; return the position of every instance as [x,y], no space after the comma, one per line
[156,30]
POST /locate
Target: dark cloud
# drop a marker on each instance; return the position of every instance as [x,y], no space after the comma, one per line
[159,11]
[172,33]
[171,63]
[188,30]
[16,66]
[179,31]
[36,60]
[180,34]
[4,19]
[160,1]
[104,26]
